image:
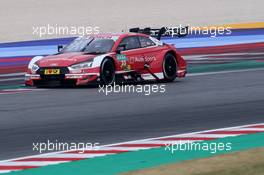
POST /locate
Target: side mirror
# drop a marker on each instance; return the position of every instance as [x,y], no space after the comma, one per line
[60,47]
[120,48]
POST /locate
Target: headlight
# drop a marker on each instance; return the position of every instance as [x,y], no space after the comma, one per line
[82,65]
[32,64]
[34,67]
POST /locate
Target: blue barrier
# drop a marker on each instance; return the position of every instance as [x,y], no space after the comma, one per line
[28,49]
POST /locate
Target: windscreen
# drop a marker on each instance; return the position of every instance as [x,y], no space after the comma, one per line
[90,45]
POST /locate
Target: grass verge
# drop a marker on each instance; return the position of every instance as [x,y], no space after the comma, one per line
[249,162]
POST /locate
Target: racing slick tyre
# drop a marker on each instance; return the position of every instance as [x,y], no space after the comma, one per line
[169,67]
[107,72]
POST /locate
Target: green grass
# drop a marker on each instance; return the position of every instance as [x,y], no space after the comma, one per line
[257,169]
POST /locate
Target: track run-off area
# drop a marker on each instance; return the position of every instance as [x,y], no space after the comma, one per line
[224,88]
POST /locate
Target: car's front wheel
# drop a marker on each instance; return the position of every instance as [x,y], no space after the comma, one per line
[107,73]
[169,67]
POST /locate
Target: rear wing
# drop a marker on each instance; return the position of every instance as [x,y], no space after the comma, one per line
[161,32]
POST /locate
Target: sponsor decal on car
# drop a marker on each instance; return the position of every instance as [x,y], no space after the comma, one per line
[121,57]
[142,59]
[125,66]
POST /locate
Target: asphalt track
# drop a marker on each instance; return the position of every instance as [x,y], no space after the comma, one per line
[85,115]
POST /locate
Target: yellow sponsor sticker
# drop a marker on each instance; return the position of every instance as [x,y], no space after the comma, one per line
[52,71]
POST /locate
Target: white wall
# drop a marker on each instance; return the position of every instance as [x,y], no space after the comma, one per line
[18,16]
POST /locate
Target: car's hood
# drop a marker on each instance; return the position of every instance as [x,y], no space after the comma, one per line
[64,60]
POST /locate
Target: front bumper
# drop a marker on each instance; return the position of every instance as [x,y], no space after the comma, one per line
[60,80]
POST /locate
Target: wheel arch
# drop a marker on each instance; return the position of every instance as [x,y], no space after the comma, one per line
[170,78]
[173,53]
[181,63]
[111,58]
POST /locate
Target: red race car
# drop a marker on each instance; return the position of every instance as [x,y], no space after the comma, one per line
[108,58]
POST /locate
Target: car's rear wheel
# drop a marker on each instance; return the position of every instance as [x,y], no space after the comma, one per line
[107,73]
[169,68]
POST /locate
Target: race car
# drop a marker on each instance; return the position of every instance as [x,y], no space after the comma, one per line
[108,58]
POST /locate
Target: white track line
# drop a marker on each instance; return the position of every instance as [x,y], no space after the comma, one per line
[5,171]
[13,74]
[210,135]
[147,140]
[249,129]
[11,79]
[32,163]
[19,90]
[141,140]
